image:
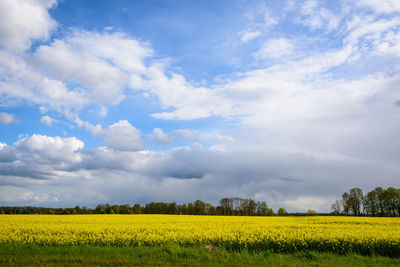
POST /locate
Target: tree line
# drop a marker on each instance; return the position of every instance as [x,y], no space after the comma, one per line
[377,203]
[227,206]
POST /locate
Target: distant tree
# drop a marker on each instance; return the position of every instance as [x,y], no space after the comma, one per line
[219,210]
[85,210]
[262,208]
[345,203]
[184,209]
[125,209]
[245,208]
[282,212]
[311,212]
[378,202]
[108,209]
[136,209]
[336,208]
[371,203]
[50,211]
[199,207]
[68,211]
[270,212]
[380,195]
[78,210]
[397,201]
[390,197]
[100,209]
[251,207]
[172,208]
[237,205]
[115,208]
[226,205]
[190,209]
[355,200]
[210,209]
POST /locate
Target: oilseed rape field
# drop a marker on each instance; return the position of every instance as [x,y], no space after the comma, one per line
[280,234]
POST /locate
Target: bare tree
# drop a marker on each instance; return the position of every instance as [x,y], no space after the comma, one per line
[336,207]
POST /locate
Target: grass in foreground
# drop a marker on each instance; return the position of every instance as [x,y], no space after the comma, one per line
[172,255]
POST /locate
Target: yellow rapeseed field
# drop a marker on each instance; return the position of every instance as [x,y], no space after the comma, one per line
[281,234]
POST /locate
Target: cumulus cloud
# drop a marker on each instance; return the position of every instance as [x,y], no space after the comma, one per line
[190,102]
[160,137]
[50,148]
[6,118]
[84,57]
[21,81]
[7,153]
[98,64]
[36,158]
[24,21]
[122,136]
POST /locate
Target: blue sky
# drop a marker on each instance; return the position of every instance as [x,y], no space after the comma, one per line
[291,102]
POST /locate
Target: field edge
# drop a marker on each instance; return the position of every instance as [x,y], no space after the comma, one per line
[174,254]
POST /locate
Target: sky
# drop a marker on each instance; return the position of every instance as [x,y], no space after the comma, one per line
[123,102]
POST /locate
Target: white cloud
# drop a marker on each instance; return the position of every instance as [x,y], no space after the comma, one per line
[191,102]
[100,66]
[43,109]
[52,149]
[7,154]
[275,48]
[6,118]
[381,6]
[308,7]
[250,35]
[388,44]
[189,135]
[303,203]
[122,136]
[225,138]
[45,165]
[23,21]
[316,17]
[103,80]
[160,137]
[100,62]
[21,81]
[261,21]
[48,120]
[368,29]
[103,111]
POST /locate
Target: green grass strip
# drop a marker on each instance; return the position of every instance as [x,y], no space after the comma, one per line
[174,255]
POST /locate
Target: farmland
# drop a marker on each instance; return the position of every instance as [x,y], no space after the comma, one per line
[337,235]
